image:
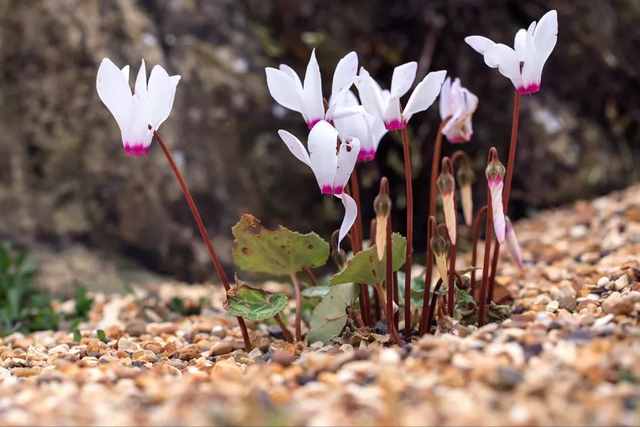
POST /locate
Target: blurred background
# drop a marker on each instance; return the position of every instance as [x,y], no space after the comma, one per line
[66,186]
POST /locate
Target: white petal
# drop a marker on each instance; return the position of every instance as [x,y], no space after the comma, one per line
[479,43]
[294,76]
[283,89]
[377,130]
[345,73]
[322,143]
[162,91]
[295,146]
[402,79]
[498,211]
[140,87]
[114,91]
[512,244]
[520,43]
[125,73]
[370,94]
[347,157]
[546,34]
[424,94]
[350,215]
[312,92]
[392,116]
[445,101]
[505,59]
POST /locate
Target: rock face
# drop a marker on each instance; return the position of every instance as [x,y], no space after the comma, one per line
[64,177]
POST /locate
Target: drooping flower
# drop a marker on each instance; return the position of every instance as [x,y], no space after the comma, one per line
[522,64]
[446,186]
[512,244]
[138,114]
[331,161]
[385,105]
[364,126]
[440,247]
[495,179]
[458,105]
[306,98]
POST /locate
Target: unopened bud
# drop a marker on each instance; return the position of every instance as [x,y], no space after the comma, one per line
[382,208]
[446,184]
[495,171]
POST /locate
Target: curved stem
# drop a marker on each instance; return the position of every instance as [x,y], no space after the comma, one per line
[312,277]
[298,324]
[485,269]
[408,178]
[427,284]
[217,265]
[432,306]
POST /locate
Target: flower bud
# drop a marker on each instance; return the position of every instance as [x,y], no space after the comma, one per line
[382,208]
[440,247]
[446,185]
[495,174]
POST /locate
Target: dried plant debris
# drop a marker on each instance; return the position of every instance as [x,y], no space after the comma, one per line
[568,355]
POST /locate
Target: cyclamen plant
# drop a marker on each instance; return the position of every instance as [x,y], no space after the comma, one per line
[343,131]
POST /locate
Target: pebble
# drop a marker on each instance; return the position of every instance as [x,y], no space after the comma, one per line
[189,352]
[162,328]
[222,347]
[128,345]
[617,303]
[283,358]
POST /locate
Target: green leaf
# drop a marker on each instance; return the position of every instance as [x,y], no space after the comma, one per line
[316,291]
[255,304]
[364,267]
[77,337]
[330,316]
[102,336]
[279,252]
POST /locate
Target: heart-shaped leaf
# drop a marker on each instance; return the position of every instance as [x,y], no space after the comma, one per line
[330,316]
[279,252]
[254,304]
[364,267]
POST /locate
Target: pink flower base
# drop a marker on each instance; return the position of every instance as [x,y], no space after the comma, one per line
[395,125]
[136,150]
[312,123]
[366,155]
[331,191]
[528,90]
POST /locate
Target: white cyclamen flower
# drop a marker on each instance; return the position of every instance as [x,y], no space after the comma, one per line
[523,64]
[385,104]
[331,162]
[512,244]
[306,98]
[138,114]
[495,180]
[364,126]
[458,105]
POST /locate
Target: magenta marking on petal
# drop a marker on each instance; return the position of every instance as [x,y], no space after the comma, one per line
[457,139]
[136,150]
[493,182]
[337,191]
[327,189]
[395,124]
[366,155]
[311,123]
[528,90]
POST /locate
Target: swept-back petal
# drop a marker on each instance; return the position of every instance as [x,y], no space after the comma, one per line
[520,43]
[162,91]
[403,78]
[312,92]
[345,73]
[125,73]
[140,87]
[445,99]
[347,157]
[370,94]
[505,59]
[350,214]
[424,94]
[322,143]
[295,146]
[479,43]
[283,88]
[294,76]
[114,91]
[546,34]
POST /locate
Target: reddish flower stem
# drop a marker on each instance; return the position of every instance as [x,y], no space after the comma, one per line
[203,231]
[357,234]
[506,192]
[447,166]
[475,232]
[389,279]
[426,308]
[408,178]
[312,277]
